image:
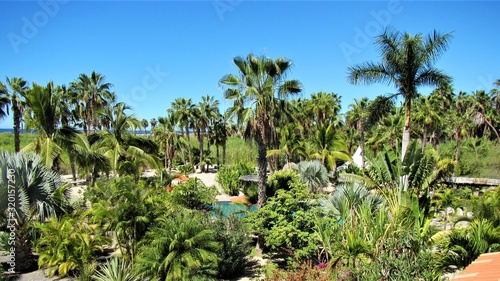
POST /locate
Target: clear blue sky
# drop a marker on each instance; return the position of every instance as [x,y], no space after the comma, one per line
[189,46]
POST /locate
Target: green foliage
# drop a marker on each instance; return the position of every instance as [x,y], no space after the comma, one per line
[7,140]
[66,244]
[305,271]
[478,157]
[228,177]
[181,247]
[233,235]
[115,269]
[283,179]
[193,194]
[314,175]
[286,223]
[127,208]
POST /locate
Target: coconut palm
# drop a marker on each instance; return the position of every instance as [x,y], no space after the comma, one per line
[18,89]
[119,145]
[179,248]
[51,138]
[256,92]
[407,63]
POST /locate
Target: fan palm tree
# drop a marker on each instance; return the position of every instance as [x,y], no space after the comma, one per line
[96,95]
[180,248]
[153,123]
[144,125]
[18,89]
[52,139]
[256,92]
[39,194]
[324,106]
[313,174]
[205,113]
[169,139]
[407,63]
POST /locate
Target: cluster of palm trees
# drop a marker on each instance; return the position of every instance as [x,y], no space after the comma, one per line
[57,112]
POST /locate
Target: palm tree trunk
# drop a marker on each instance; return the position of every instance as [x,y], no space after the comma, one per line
[17,121]
[224,152]
[200,146]
[424,139]
[362,143]
[262,173]
[190,154]
[406,130]
[217,154]
[72,165]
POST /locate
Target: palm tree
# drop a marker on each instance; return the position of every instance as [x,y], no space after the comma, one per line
[256,92]
[171,141]
[407,63]
[95,94]
[313,174]
[119,145]
[153,123]
[4,101]
[427,115]
[144,124]
[206,112]
[52,139]
[330,146]
[39,194]
[324,106]
[18,88]
[179,248]
[358,115]
[182,109]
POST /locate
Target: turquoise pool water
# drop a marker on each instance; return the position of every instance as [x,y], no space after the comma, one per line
[227,208]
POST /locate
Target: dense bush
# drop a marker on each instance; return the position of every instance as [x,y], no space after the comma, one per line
[193,194]
[234,236]
[283,179]
[228,177]
[286,223]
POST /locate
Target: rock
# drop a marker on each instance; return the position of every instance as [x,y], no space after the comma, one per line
[459,212]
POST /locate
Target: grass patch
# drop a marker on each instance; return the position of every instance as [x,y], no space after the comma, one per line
[7,140]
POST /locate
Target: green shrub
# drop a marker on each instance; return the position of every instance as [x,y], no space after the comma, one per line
[67,244]
[194,194]
[228,177]
[283,179]
[233,234]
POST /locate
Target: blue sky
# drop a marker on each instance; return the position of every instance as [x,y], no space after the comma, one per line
[153,52]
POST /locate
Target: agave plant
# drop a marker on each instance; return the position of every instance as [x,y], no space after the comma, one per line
[116,269]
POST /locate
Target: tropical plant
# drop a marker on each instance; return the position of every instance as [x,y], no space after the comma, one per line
[286,223]
[51,140]
[65,245]
[358,116]
[256,93]
[314,175]
[4,101]
[96,96]
[194,194]
[18,89]
[182,111]
[179,248]
[329,145]
[229,177]
[29,192]
[407,63]
[115,269]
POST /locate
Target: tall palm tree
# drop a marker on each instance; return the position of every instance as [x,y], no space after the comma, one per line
[153,123]
[96,95]
[206,112]
[52,138]
[324,106]
[182,109]
[4,101]
[256,91]
[407,63]
[144,124]
[427,115]
[18,89]
[169,139]
[358,116]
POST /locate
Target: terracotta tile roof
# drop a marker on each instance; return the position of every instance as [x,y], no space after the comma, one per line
[485,268]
